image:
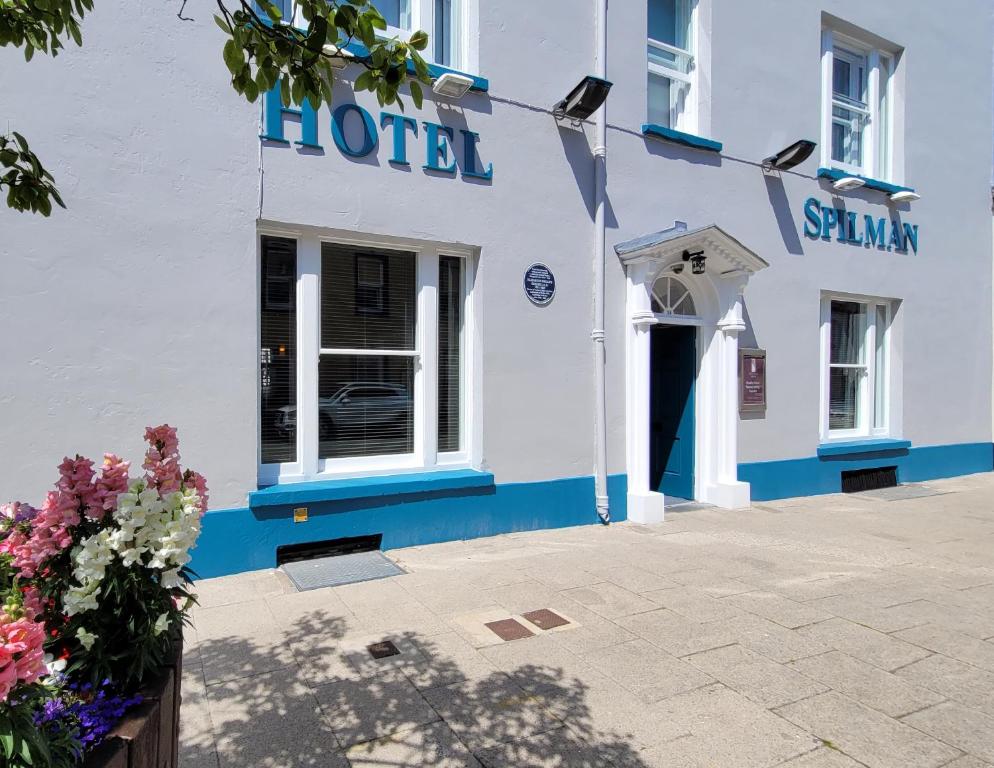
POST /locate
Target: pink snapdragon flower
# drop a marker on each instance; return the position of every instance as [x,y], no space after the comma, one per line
[113,481]
[195,480]
[22,654]
[161,465]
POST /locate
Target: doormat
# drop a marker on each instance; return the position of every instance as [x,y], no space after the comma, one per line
[343,569]
[901,492]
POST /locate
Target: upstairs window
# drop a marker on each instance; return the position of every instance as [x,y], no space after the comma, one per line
[443,20]
[671,64]
[857,95]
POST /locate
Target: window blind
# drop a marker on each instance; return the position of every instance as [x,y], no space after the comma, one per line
[366,370]
[278,350]
[449,352]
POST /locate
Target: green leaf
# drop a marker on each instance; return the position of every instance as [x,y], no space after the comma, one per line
[418,41]
[222,24]
[233,57]
[416,94]
[365,82]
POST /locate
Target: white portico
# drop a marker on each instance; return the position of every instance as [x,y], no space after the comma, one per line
[667,287]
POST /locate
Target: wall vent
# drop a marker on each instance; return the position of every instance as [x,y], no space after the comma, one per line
[294,553]
[856,480]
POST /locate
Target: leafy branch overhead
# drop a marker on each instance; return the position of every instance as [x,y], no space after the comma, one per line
[34,25]
[300,54]
[29,186]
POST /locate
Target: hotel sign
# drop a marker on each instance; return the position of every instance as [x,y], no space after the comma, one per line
[821,222]
[355,133]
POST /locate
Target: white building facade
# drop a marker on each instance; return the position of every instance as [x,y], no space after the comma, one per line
[384,324]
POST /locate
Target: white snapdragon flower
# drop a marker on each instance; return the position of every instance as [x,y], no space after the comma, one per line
[86,639]
[161,624]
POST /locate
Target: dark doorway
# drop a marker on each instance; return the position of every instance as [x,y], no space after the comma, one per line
[674,370]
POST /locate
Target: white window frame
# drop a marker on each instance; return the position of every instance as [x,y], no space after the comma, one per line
[866,397]
[425,456]
[686,120]
[423,17]
[877,141]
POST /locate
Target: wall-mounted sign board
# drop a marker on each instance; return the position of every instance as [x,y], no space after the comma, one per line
[752,380]
[540,284]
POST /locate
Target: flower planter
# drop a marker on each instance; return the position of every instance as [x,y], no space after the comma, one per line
[148,736]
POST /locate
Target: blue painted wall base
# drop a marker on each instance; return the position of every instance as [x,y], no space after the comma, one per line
[821,474]
[236,540]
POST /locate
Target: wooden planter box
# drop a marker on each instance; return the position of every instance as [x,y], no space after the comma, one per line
[148,736]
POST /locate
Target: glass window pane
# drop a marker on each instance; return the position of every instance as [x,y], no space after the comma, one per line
[443,33]
[843,398]
[368,298]
[659,100]
[847,332]
[669,22]
[365,405]
[841,76]
[278,351]
[880,370]
[449,352]
[847,135]
[396,12]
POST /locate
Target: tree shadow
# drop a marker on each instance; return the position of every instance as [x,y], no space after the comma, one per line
[314,695]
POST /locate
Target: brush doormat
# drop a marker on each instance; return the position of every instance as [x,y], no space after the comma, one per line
[343,569]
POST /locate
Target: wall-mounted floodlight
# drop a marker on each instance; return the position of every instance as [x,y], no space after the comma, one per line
[696,259]
[905,196]
[793,155]
[452,85]
[848,182]
[583,100]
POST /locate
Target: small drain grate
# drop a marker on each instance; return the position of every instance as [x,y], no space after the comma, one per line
[344,569]
[856,480]
[382,649]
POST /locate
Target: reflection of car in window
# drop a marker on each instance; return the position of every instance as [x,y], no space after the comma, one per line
[356,405]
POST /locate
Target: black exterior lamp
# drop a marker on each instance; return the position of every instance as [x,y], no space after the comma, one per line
[790,156]
[696,259]
[583,100]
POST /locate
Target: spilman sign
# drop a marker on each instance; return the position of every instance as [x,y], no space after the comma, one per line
[355,133]
[822,221]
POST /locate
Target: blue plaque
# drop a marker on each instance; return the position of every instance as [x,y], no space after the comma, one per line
[540,284]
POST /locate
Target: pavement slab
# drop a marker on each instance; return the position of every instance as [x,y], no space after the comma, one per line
[864,643]
[648,672]
[865,734]
[966,728]
[962,682]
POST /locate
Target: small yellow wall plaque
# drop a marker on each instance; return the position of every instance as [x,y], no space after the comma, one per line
[300,515]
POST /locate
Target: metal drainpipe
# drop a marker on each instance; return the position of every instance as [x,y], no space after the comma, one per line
[597,334]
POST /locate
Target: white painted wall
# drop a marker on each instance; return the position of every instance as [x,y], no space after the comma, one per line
[137,305]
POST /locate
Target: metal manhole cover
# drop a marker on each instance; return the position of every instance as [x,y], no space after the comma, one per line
[343,569]
[545,619]
[382,650]
[509,629]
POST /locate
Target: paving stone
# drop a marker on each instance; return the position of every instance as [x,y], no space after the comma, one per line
[559,748]
[863,611]
[968,762]
[711,583]
[373,707]
[273,721]
[634,579]
[230,658]
[694,604]
[447,659]
[864,643]
[429,745]
[867,684]
[520,597]
[950,643]
[726,730]
[823,757]
[953,617]
[866,735]
[771,639]
[251,619]
[756,677]
[966,728]
[609,600]
[647,671]
[677,634]
[491,711]
[240,588]
[777,608]
[964,683]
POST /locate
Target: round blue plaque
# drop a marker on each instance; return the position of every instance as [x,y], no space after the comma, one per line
[540,284]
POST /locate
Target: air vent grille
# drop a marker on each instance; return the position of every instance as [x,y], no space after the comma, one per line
[294,553]
[856,480]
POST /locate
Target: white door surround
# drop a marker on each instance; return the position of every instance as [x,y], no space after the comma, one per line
[717,299]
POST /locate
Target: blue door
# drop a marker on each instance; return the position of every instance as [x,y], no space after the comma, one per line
[674,370]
